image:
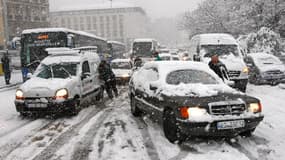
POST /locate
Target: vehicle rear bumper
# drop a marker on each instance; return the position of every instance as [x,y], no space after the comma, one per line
[211,129]
[122,80]
[51,107]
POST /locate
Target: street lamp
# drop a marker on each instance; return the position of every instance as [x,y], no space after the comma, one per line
[111,3]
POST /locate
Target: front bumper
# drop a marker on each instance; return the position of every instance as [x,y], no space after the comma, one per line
[211,129]
[49,107]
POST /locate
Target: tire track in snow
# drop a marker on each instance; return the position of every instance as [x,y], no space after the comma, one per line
[83,148]
[150,147]
[51,149]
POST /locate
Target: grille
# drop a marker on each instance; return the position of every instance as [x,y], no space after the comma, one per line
[232,109]
[234,73]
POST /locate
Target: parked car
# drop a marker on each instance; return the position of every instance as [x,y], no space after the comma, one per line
[204,46]
[265,69]
[189,99]
[122,69]
[62,83]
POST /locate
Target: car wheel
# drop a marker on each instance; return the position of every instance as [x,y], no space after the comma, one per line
[75,108]
[134,109]
[171,128]
[247,133]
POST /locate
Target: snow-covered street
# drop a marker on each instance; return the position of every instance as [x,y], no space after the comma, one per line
[107,130]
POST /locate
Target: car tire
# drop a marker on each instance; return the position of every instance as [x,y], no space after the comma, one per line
[247,133]
[75,108]
[134,109]
[171,128]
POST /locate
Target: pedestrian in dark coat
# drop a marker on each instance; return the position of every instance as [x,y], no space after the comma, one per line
[218,67]
[106,74]
[6,67]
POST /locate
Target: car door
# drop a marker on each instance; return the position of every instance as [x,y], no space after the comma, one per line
[87,79]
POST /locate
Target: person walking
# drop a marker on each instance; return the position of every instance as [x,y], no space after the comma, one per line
[106,74]
[218,67]
[156,56]
[6,67]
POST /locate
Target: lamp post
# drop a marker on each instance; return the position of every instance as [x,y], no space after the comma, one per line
[5,21]
[111,3]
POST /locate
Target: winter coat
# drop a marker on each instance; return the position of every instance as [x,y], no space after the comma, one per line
[105,72]
[219,68]
[6,63]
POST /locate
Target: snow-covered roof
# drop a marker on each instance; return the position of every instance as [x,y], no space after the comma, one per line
[116,42]
[144,40]
[66,30]
[267,62]
[217,38]
[61,51]
[61,59]
[120,60]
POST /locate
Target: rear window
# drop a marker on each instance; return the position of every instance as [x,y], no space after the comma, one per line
[190,77]
[121,65]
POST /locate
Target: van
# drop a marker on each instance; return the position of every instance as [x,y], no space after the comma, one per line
[204,46]
[64,81]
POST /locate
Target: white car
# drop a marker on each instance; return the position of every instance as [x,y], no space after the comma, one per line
[165,56]
[63,82]
[122,69]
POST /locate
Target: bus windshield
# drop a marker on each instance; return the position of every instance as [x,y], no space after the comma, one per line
[142,48]
[220,50]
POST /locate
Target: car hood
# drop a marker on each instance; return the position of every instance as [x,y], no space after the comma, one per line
[38,87]
[204,101]
[231,62]
[121,72]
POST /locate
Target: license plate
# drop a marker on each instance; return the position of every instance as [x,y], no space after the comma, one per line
[37,105]
[230,124]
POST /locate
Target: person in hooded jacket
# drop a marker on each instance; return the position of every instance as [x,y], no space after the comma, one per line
[6,67]
[218,67]
[106,74]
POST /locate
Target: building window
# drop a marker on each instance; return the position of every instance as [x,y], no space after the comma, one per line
[115,26]
[102,29]
[108,27]
[121,25]
[94,23]
[88,20]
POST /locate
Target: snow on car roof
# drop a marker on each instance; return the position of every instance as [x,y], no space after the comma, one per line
[59,59]
[120,60]
[116,42]
[217,38]
[66,30]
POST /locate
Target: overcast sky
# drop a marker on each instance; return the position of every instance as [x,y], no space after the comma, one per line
[154,8]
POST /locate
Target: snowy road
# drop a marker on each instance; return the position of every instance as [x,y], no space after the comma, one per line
[108,131]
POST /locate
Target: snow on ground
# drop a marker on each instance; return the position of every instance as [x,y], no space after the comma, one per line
[16,78]
[108,131]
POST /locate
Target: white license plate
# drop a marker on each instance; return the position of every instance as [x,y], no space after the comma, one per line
[230,124]
[37,105]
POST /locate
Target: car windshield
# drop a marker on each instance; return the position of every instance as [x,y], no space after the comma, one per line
[190,77]
[220,50]
[121,65]
[62,70]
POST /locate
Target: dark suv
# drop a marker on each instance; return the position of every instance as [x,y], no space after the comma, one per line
[191,100]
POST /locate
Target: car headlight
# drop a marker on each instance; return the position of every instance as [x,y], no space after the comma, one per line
[245,70]
[125,75]
[61,94]
[187,112]
[19,94]
[255,107]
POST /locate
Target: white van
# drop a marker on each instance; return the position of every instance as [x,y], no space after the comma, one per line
[63,82]
[204,46]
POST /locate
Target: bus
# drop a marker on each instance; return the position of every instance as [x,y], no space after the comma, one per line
[144,48]
[116,49]
[35,41]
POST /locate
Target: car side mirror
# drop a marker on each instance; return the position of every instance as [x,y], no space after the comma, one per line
[152,87]
[196,58]
[85,75]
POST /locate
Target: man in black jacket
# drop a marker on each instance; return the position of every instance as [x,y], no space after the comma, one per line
[106,74]
[6,67]
[218,67]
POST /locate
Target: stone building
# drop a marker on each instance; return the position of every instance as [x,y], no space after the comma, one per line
[119,24]
[20,15]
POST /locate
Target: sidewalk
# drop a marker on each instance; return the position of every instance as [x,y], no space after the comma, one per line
[16,78]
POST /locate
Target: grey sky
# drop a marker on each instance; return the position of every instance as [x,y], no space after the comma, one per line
[155,8]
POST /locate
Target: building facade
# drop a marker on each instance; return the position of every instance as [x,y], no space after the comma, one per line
[119,24]
[17,15]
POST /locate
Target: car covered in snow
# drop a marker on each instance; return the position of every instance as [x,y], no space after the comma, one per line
[189,99]
[204,46]
[265,68]
[122,69]
[63,82]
